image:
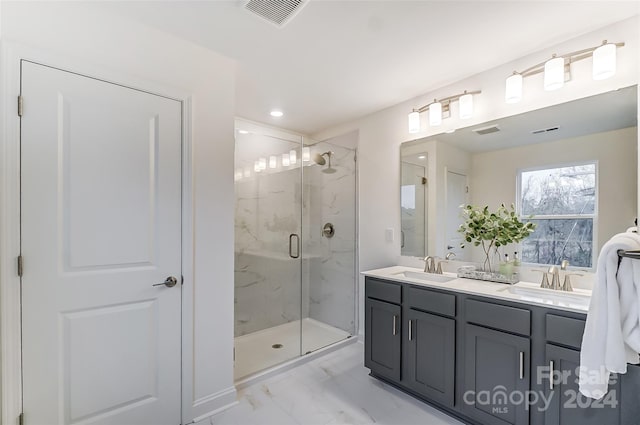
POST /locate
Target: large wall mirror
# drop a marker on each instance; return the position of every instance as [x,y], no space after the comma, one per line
[572,168]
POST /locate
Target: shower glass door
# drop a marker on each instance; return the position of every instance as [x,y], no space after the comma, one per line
[329,236]
[268,247]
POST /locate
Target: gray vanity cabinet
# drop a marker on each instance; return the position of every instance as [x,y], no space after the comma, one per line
[430,354]
[567,406]
[477,358]
[562,356]
[496,367]
[383,329]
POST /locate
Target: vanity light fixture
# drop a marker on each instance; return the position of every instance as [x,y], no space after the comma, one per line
[557,70]
[414,121]
[513,92]
[262,164]
[604,61]
[256,166]
[466,106]
[273,163]
[435,113]
[293,156]
[306,154]
[554,73]
[441,108]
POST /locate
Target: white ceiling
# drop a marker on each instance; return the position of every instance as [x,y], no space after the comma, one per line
[338,60]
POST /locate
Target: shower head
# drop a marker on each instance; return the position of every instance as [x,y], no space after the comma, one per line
[318,159]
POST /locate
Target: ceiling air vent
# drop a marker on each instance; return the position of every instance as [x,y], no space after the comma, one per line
[278,12]
[544,130]
[487,130]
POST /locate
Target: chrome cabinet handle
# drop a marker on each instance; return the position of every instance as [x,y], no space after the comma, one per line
[410,331]
[169,282]
[550,374]
[521,364]
[395,319]
[291,236]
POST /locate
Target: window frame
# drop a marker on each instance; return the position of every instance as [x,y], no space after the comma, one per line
[594,216]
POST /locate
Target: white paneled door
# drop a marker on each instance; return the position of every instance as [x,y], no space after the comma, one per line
[101,224]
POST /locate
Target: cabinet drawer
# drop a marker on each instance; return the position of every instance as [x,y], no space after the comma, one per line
[432,301]
[565,330]
[386,291]
[510,319]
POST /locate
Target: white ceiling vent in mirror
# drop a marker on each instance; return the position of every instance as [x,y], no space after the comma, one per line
[487,130]
[278,12]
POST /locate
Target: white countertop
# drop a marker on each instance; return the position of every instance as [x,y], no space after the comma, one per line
[522,292]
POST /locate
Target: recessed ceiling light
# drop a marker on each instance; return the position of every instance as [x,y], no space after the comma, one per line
[421,157]
[243,132]
[276,114]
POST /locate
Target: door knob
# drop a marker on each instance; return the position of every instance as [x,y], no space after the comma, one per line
[169,282]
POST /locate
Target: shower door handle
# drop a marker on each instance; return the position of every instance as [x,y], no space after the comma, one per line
[297,255]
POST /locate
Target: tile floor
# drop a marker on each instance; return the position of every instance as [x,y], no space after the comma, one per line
[333,389]
[255,352]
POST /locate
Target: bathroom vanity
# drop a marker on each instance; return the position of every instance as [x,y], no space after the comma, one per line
[487,353]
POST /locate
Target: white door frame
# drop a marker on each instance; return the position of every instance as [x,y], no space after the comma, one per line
[11,55]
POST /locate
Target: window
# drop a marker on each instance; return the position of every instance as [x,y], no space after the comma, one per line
[562,201]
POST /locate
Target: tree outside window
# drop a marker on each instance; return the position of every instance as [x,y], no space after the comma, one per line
[562,201]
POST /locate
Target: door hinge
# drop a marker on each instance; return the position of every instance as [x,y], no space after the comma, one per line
[20,266]
[21,419]
[466,189]
[424,180]
[20,105]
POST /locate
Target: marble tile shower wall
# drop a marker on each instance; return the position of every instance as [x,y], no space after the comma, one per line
[268,290]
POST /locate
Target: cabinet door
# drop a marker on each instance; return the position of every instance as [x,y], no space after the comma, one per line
[497,376]
[430,356]
[382,338]
[567,406]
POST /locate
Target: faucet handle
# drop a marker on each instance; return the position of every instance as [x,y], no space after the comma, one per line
[566,285]
[450,255]
[564,264]
[545,279]
[439,269]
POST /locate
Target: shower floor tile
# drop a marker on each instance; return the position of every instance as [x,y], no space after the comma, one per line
[256,351]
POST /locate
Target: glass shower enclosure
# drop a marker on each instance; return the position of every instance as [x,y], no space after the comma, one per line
[294,246]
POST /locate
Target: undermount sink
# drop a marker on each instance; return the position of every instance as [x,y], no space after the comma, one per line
[428,277]
[550,296]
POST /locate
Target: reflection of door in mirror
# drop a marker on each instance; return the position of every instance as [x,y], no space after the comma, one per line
[413,198]
[456,184]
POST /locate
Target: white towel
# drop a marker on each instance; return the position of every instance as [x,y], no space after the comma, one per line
[612,333]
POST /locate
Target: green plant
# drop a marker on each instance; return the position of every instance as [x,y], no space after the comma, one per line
[492,229]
